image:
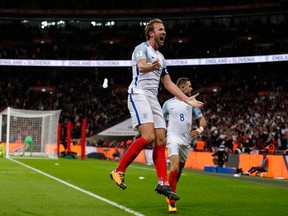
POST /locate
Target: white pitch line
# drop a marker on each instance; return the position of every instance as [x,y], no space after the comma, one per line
[81,190]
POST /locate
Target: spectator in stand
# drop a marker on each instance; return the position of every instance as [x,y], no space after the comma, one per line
[270,148]
[240,149]
[284,139]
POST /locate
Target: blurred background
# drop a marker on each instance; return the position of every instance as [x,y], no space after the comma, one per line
[245,103]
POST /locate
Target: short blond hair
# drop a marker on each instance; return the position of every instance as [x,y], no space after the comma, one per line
[182,81]
[150,26]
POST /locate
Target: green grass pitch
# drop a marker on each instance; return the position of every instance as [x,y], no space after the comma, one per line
[83,187]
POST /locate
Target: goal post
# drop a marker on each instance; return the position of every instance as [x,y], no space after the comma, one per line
[29,133]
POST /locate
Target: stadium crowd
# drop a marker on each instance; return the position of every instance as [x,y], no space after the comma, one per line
[248,107]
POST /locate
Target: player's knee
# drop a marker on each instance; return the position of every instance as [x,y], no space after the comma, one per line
[149,137]
[160,141]
[147,132]
[174,169]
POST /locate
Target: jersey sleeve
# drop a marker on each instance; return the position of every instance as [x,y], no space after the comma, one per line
[140,52]
[164,71]
[197,113]
[165,110]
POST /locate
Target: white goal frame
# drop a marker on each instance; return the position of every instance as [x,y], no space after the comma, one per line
[16,124]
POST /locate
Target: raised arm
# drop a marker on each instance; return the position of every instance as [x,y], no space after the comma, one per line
[174,90]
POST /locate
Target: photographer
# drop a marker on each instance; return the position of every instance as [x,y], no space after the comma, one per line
[220,157]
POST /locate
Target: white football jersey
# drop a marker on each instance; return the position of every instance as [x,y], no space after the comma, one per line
[180,117]
[146,83]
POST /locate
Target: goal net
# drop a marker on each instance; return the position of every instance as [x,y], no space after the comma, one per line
[29,133]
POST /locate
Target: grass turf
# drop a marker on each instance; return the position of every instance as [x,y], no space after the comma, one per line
[83,187]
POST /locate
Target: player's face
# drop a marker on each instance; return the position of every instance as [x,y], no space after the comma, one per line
[159,34]
[187,89]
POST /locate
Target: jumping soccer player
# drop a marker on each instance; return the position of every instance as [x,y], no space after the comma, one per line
[149,67]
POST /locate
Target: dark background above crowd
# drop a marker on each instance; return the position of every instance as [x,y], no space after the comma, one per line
[195,29]
[115,39]
[137,5]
